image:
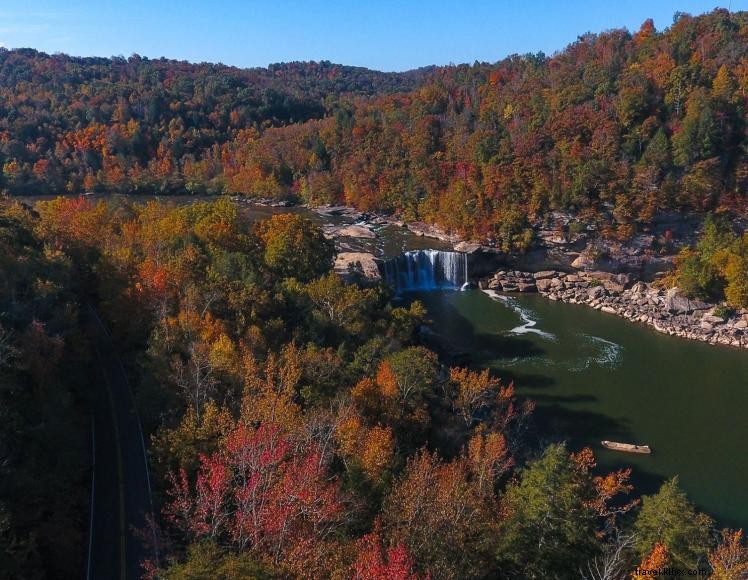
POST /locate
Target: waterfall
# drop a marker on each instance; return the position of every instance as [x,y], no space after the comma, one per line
[427,270]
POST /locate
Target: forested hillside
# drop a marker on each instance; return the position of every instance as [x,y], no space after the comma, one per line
[138,125]
[44,441]
[614,128]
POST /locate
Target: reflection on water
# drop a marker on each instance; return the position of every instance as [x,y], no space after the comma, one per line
[595,376]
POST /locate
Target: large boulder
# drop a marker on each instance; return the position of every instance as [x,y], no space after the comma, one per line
[679,303]
[364,263]
[356,231]
[544,284]
[596,292]
[583,261]
[711,319]
[614,286]
[431,231]
[639,288]
[468,247]
[545,274]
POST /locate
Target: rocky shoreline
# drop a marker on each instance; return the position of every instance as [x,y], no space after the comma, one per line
[666,310]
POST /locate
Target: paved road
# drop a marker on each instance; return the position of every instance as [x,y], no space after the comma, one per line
[121,495]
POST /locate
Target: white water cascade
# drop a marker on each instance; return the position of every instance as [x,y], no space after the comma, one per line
[427,270]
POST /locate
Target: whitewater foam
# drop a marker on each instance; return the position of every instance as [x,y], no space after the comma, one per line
[605,353]
[610,353]
[524,314]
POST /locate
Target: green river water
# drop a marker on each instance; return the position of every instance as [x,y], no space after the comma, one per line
[596,376]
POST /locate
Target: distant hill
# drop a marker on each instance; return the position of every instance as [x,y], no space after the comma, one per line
[614,129]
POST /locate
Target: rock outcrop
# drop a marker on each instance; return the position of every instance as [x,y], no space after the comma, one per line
[355,231]
[431,231]
[678,303]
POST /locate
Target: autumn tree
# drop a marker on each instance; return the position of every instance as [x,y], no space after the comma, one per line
[657,559]
[338,307]
[474,392]
[668,517]
[270,390]
[261,495]
[368,448]
[377,562]
[182,445]
[552,513]
[439,514]
[294,247]
[729,559]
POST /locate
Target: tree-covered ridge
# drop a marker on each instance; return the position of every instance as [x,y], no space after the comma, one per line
[310,79]
[75,124]
[615,128]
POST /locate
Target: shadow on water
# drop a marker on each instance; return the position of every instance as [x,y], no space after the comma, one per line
[525,380]
[582,427]
[507,346]
[461,336]
[552,415]
[563,399]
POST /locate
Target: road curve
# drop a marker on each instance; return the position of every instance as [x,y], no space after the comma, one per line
[120,536]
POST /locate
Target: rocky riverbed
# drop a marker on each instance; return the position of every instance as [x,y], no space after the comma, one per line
[366,220]
[666,310]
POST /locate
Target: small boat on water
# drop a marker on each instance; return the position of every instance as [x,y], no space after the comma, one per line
[627,447]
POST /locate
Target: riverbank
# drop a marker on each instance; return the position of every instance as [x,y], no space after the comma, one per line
[364,220]
[666,310]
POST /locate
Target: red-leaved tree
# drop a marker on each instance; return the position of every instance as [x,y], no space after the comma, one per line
[261,493]
[375,562]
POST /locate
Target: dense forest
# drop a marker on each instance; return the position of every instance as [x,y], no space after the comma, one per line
[297,426]
[716,269]
[614,129]
[138,125]
[44,420]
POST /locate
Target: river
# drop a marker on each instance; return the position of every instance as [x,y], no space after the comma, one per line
[595,376]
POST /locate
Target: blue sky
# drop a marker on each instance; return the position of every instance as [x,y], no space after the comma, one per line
[380,34]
